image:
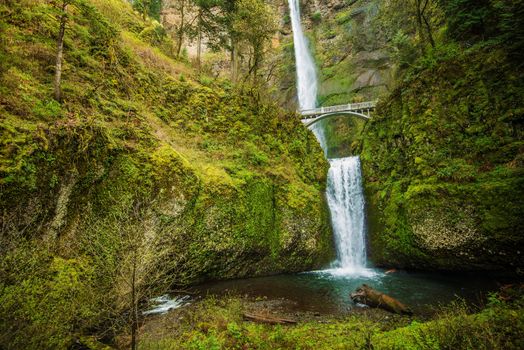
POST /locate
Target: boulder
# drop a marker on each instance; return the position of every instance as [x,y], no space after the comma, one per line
[371,297]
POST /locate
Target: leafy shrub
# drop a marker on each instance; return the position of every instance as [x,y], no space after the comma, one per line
[316,17]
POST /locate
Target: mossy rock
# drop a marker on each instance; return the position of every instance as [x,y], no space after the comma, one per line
[443,168]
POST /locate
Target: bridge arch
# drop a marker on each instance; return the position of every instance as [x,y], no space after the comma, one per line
[312,121]
[361,110]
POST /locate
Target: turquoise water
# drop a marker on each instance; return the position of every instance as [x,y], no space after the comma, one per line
[327,291]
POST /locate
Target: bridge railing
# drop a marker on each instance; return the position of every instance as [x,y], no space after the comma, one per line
[339,108]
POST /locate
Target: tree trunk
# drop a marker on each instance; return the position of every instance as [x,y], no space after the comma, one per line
[145,5]
[430,34]
[199,44]
[420,28]
[60,52]
[181,29]
[134,308]
[234,61]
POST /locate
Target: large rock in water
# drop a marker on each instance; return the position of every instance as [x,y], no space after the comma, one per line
[368,296]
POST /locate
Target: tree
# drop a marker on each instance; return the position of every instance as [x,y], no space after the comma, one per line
[511,26]
[414,21]
[137,254]
[151,8]
[183,26]
[143,262]
[228,36]
[256,24]
[62,20]
[423,7]
[468,20]
[206,24]
[471,21]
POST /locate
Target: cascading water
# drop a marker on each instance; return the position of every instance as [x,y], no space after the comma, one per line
[344,189]
[306,72]
[346,203]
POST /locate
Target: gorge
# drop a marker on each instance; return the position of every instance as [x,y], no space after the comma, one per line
[157,183]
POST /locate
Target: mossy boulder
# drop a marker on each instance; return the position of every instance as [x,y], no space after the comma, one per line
[442,159]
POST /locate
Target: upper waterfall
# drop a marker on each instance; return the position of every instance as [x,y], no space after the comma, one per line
[305,66]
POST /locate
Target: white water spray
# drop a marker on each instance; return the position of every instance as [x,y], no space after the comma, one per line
[306,72]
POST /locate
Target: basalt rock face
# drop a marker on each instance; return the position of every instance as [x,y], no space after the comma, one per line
[443,164]
[353,62]
[353,58]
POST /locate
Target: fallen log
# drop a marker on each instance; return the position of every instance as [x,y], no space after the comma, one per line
[268,319]
[371,297]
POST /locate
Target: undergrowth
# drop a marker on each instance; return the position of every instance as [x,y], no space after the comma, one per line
[218,324]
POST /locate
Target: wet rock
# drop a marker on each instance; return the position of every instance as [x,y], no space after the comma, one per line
[371,297]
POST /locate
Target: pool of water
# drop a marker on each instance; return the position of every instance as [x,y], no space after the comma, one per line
[327,291]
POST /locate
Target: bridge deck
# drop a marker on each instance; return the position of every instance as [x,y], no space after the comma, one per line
[351,107]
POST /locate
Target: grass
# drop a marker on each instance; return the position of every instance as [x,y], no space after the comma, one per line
[217,324]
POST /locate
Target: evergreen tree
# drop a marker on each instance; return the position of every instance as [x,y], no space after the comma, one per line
[151,8]
[468,20]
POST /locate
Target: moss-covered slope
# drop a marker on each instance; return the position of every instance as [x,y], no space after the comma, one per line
[144,165]
[443,160]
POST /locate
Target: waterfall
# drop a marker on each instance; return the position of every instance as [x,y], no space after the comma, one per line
[346,204]
[318,130]
[344,188]
[306,72]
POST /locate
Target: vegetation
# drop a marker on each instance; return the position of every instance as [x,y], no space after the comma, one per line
[218,325]
[142,176]
[443,154]
[126,172]
[151,8]
[243,28]
[443,163]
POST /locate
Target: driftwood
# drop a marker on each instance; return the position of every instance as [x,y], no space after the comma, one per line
[268,319]
[371,297]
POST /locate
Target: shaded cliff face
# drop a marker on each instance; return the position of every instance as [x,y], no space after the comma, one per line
[443,162]
[352,56]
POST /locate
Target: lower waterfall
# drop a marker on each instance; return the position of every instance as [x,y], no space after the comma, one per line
[347,206]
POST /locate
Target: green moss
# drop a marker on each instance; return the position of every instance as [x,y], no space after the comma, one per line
[441,162]
[208,181]
[218,324]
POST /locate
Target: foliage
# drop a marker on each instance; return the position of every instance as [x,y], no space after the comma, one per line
[218,324]
[49,298]
[256,24]
[226,181]
[443,157]
[151,8]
